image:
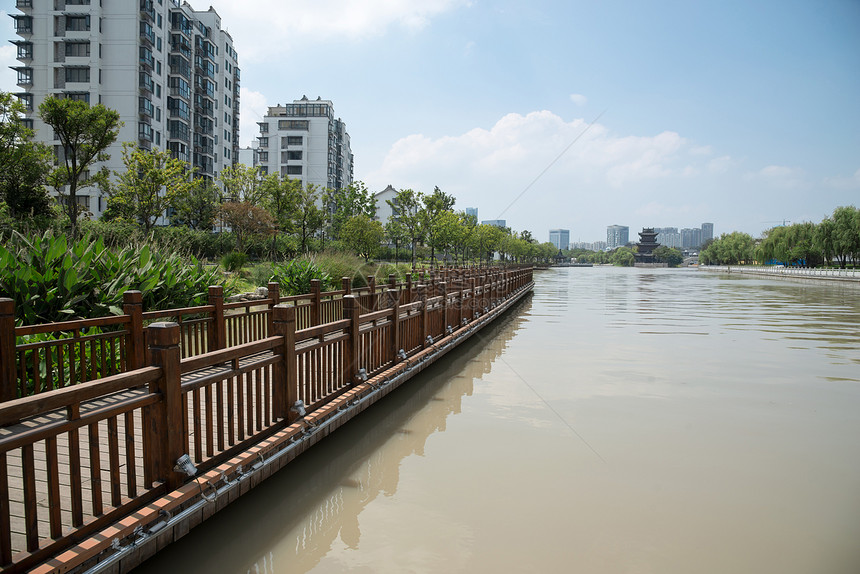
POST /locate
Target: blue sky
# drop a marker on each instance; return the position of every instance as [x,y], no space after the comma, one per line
[574,114]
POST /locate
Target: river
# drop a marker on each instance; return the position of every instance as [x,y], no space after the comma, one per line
[616,421]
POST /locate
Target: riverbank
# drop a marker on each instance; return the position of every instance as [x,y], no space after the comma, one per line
[848,275]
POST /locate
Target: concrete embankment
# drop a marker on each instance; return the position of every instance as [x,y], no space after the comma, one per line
[847,275]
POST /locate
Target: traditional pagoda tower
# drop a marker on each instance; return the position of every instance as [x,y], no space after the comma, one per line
[647,244]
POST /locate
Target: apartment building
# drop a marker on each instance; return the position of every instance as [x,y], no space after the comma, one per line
[169,70]
[303,140]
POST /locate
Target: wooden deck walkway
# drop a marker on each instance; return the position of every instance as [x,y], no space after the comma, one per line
[94,449]
[91,465]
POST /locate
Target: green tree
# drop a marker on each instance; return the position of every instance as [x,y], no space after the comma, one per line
[363,235]
[245,220]
[344,203]
[668,255]
[24,164]
[85,133]
[308,218]
[241,183]
[622,257]
[280,197]
[730,249]
[198,206]
[151,182]
[434,206]
[395,234]
[846,234]
[406,208]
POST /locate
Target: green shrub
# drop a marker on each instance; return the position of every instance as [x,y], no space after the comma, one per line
[234,261]
[295,277]
[260,274]
[50,280]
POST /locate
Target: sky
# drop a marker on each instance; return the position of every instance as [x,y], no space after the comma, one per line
[572,114]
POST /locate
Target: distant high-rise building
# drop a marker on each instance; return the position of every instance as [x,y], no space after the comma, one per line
[560,238]
[707,231]
[668,236]
[617,236]
[169,70]
[495,222]
[691,237]
[473,211]
[304,141]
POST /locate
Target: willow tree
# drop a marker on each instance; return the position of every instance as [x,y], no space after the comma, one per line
[84,132]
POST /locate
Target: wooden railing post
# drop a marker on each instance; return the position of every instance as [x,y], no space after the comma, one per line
[393,302]
[346,285]
[315,302]
[275,298]
[286,388]
[351,310]
[408,289]
[218,325]
[135,350]
[8,372]
[166,423]
[392,281]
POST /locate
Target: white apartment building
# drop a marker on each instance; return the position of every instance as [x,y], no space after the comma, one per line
[304,141]
[169,70]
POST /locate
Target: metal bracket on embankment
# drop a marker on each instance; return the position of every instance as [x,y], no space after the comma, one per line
[126,544]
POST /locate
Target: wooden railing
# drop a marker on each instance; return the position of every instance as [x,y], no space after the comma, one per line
[76,459]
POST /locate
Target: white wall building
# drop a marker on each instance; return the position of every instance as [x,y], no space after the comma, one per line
[383,210]
[304,141]
[170,71]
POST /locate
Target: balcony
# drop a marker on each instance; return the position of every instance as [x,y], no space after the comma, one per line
[145,108]
[147,34]
[146,59]
[25,76]
[146,83]
[25,50]
[147,10]
[23,24]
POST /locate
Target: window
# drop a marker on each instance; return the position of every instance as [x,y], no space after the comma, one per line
[77,23]
[294,170]
[294,155]
[77,74]
[77,49]
[295,140]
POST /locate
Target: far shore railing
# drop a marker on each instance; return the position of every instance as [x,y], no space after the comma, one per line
[783,271]
[78,458]
[41,358]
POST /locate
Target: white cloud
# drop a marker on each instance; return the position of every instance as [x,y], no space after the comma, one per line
[253,106]
[578,99]
[779,176]
[572,165]
[287,24]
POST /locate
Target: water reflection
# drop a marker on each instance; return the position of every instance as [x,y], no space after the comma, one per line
[292,520]
[723,411]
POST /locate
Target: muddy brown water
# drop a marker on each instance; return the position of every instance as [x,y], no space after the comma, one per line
[618,420]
